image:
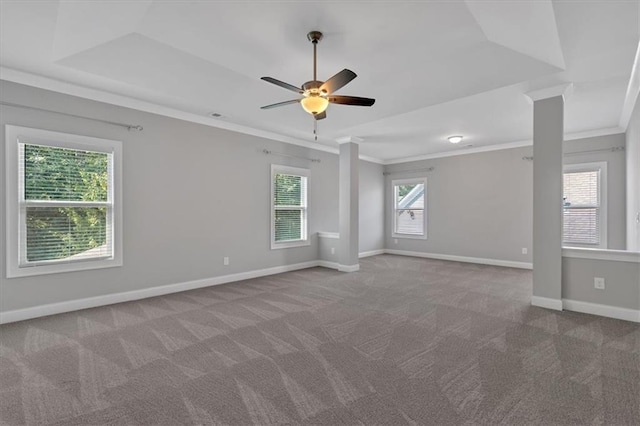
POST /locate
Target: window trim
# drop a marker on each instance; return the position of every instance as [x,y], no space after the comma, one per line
[296,171]
[601,167]
[14,135]
[396,182]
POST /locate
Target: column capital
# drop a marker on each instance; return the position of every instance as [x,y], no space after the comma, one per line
[563,90]
[349,139]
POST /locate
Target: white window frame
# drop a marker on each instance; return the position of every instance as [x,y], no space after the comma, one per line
[16,205]
[601,167]
[394,208]
[304,241]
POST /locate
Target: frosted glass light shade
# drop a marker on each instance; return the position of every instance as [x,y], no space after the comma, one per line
[314,104]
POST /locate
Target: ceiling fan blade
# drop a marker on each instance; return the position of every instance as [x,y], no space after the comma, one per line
[282,84]
[337,81]
[351,100]
[279,104]
[320,116]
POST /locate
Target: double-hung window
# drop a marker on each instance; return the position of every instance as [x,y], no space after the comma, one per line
[289,227]
[409,208]
[584,205]
[63,202]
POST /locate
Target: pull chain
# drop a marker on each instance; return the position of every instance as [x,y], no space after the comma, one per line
[315,129]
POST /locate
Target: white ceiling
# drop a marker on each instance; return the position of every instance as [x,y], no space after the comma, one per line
[435,68]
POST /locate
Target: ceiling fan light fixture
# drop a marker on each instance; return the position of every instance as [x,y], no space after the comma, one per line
[314,104]
[455,139]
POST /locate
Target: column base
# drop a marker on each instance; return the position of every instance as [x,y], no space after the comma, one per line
[546,302]
[349,268]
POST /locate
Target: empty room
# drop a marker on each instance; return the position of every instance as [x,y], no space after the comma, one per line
[319,212]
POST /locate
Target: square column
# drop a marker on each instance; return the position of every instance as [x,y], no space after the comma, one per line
[548,136]
[348,203]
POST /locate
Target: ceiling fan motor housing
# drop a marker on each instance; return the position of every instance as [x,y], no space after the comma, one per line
[314,36]
[313,85]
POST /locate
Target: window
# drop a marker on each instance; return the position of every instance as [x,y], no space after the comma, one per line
[409,201]
[288,207]
[584,202]
[63,202]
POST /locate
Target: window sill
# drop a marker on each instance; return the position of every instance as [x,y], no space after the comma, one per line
[409,237]
[86,265]
[289,244]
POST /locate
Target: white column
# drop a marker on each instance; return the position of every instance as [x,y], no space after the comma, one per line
[348,205]
[548,135]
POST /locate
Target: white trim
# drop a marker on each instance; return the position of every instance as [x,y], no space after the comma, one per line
[304,240]
[370,253]
[508,145]
[594,133]
[479,260]
[59,86]
[546,302]
[110,299]
[349,139]
[602,310]
[14,248]
[460,151]
[333,235]
[601,168]
[328,264]
[348,268]
[563,90]
[632,92]
[394,207]
[598,254]
[54,85]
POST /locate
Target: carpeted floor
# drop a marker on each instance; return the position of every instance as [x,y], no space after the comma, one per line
[404,341]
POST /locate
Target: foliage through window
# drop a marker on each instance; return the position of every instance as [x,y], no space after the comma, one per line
[582,205]
[409,218]
[65,202]
[289,206]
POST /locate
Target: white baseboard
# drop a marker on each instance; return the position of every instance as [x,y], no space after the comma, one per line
[371,253]
[482,261]
[328,264]
[109,299]
[602,310]
[546,302]
[348,268]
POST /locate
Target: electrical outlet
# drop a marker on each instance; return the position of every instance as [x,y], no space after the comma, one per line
[395,241]
[225,261]
[524,250]
[598,283]
[333,250]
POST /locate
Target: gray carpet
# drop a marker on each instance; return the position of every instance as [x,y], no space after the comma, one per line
[404,341]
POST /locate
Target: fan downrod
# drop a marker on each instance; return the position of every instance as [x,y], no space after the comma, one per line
[314,36]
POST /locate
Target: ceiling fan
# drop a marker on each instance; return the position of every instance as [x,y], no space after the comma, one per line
[317,95]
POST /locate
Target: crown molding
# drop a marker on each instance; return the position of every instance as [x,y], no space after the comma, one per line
[349,139]
[632,92]
[462,151]
[563,90]
[59,86]
[508,145]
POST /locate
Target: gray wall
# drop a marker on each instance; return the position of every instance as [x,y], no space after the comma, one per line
[478,205]
[616,180]
[371,206]
[192,194]
[622,282]
[633,179]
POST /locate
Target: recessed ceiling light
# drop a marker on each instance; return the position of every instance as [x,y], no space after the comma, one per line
[455,139]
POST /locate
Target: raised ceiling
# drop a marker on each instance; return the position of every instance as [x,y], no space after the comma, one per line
[435,68]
